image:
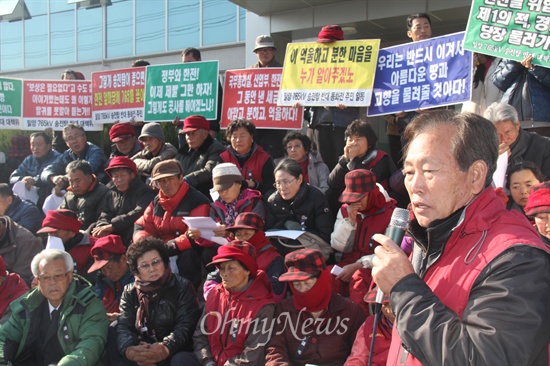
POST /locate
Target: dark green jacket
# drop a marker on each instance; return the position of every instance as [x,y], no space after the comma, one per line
[82,329]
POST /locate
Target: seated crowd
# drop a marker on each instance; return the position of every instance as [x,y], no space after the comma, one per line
[119,274]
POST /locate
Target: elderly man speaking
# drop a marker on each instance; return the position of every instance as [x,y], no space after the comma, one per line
[478,288]
[60,322]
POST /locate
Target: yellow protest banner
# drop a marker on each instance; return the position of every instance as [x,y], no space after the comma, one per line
[329,74]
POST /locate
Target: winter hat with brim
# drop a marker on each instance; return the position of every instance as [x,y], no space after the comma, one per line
[264,41]
[303,264]
[224,175]
[166,168]
[359,183]
[247,220]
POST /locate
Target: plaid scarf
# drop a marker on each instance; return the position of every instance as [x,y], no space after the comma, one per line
[148,292]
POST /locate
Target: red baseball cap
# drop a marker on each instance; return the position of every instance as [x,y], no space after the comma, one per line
[121,131]
[104,249]
[121,162]
[193,123]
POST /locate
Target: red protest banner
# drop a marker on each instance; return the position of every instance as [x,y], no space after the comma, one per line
[118,95]
[56,103]
[252,94]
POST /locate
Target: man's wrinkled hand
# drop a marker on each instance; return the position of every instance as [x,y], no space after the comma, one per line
[390,264]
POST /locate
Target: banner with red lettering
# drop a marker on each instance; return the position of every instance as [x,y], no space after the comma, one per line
[252,94]
[118,95]
[56,103]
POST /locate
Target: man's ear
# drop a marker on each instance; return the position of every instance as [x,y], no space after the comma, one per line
[476,174]
[409,34]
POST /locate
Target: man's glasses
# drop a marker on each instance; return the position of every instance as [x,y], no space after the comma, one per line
[56,278]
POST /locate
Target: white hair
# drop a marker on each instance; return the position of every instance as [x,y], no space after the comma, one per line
[50,255]
[499,112]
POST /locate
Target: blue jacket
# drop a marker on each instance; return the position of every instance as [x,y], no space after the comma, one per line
[33,167]
[110,292]
[533,85]
[25,213]
[92,154]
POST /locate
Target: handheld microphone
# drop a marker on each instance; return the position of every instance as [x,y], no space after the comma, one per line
[399,223]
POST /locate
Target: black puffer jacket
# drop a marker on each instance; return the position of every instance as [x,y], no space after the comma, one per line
[198,164]
[309,209]
[530,146]
[122,209]
[88,206]
[525,90]
[173,316]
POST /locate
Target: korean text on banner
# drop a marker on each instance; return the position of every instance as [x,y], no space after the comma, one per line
[329,74]
[118,95]
[431,73]
[11,97]
[181,90]
[56,103]
[511,29]
[252,94]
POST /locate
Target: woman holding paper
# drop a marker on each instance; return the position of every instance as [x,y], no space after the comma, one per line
[296,205]
[234,196]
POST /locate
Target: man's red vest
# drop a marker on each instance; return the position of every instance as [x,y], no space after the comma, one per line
[473,244]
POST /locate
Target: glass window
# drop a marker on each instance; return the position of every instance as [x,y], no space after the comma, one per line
[57,6]
[11,45]
[242,24]
[62,38]
[183,24]
[120,29]
[150,28]
[219,22]
[89,34]
[36,41]
[37,7]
